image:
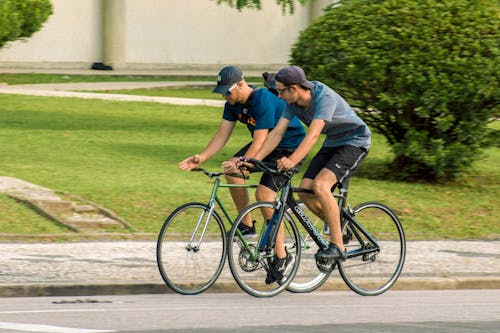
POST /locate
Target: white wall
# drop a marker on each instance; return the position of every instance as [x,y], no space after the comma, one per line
[159,34]
[202,32]
[69,36]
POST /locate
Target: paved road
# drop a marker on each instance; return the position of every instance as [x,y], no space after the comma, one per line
[443,311]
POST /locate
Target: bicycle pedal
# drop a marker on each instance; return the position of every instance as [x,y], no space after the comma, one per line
[325,265]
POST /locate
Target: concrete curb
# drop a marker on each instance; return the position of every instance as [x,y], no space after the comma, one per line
[334,284]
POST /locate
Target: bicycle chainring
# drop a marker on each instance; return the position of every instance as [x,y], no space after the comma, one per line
[245,262]
[325,265]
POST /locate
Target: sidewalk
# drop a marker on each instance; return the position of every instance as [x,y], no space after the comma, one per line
[74,90]
[129,267]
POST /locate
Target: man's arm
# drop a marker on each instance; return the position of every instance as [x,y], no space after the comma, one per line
[218,141]
[259,136]
[273,139]
[312,136]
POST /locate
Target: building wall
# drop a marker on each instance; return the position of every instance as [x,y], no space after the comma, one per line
[138,34]
[69,38]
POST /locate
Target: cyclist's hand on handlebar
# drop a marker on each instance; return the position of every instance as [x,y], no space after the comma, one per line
[243,164]
[190,163]
[230,166]
[285,164]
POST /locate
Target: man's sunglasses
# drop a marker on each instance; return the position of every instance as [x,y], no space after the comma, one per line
[230,90]
[282,91]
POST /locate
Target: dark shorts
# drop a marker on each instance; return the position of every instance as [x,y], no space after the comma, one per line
[342,161]
[272,182]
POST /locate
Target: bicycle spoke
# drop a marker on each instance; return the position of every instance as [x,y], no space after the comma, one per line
[376,250]
[191,249]
[249,265]
[308,277]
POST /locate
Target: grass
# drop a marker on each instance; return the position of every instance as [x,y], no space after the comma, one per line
[20,78]
[124,156]
[31,78]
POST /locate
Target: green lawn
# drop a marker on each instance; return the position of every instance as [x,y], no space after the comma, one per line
[31,78]
[124,156]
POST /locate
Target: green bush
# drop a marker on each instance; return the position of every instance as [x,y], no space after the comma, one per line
[424,73]
[22,18]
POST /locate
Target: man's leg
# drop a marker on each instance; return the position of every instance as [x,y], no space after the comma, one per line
[240,197]
[309,199]
[264,193]
[322,188]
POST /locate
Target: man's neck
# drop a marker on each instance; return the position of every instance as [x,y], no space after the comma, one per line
[304,99]
[245,93]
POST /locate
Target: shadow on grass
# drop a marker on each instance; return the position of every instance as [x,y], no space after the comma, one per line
[375,169]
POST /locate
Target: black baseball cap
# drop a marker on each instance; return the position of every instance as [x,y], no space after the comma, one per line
[293,75]
[228,76]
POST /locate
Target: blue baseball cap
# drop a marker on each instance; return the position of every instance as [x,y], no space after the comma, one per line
[228,76]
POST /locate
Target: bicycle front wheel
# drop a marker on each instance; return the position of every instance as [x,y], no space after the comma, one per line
[308,277]
[376,249]
[191,247]
[251,258]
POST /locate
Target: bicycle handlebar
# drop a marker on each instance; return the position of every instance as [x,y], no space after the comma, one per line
[217,174]
[269,167]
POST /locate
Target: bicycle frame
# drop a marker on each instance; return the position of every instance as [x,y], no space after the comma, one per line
[371,231]
[269,238]
[212,201]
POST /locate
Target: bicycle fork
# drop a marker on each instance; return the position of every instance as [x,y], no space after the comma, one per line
[203,220]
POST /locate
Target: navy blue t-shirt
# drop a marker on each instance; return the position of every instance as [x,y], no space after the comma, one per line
[263,110]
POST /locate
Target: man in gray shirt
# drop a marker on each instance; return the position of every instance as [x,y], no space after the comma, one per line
[347,142]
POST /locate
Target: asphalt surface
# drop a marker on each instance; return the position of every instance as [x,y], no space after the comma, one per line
[129,267]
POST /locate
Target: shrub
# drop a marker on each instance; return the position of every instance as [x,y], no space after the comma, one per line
[22,18]
[424,73]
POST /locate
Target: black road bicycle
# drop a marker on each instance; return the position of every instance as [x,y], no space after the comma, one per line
[372,233]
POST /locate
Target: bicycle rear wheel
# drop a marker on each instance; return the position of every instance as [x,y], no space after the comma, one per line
[191,247]
[308,277]
[249,265]
[373,265]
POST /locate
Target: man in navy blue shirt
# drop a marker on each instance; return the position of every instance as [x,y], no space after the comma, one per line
[260,110]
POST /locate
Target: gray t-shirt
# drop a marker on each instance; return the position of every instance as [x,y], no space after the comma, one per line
[342,124]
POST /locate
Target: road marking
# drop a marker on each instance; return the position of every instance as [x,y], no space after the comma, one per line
[46,328]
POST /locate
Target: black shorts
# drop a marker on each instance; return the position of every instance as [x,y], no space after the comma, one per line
[272,182]
[342,161]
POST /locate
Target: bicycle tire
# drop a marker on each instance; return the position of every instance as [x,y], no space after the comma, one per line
[308,277]
[373,273]
[250,272]
[187,265]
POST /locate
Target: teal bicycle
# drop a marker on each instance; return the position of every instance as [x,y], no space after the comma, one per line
[191,246]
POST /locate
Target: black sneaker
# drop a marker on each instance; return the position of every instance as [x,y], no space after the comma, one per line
[347,236]
[246,230]
[333,253]
[277,268]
